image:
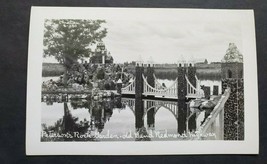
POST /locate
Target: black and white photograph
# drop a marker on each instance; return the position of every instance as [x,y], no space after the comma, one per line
[142,77]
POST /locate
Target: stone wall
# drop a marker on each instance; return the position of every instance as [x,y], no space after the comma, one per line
[232,70]
[234,110]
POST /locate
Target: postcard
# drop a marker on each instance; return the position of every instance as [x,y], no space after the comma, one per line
[141,81]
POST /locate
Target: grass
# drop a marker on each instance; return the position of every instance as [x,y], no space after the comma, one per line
[52,69]
[203,72]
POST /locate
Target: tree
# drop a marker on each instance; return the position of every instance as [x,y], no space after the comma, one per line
[70,39]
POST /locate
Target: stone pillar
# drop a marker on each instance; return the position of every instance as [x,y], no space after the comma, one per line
[151,118]
[150,77]
[139,71]
[191,72]
[192,125]
[151,114]
[139,113]
[139,106]
[234,110]
[181,82]
[119,86]
[182,114]
[118,102]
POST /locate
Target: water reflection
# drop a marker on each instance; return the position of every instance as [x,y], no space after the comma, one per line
[118,119]
[64,128]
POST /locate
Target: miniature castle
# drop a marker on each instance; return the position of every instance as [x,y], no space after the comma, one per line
[101,55]
[232,63]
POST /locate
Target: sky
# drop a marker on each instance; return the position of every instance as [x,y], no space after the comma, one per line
[168,41]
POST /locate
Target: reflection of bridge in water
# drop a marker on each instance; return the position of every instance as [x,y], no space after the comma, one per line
[185,116]
[149,108]
[154,105]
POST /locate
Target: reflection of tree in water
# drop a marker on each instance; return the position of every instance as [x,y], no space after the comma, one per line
[100,112]
[67,125]
[75,104]
[49,103]
[99,115]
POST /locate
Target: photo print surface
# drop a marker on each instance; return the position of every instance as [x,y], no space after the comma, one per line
[134,79]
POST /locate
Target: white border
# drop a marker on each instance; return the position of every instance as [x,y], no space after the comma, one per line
[33,145]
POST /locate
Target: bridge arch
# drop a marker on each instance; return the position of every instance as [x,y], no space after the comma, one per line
[150,104]
[130,103]
[171,107]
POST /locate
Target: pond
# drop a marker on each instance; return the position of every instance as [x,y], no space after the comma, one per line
[116,119]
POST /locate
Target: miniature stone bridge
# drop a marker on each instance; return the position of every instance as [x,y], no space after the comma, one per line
[186,84]
[158,90]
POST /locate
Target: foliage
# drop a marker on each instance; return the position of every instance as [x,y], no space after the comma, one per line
[69,39]
[52,69]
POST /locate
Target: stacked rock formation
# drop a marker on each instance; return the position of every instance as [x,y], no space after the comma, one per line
[232,55]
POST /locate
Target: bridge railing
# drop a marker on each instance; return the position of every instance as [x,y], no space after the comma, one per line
[193,92]
[157,83]
[129,89]
[149,90]
[216,115]
[197,83]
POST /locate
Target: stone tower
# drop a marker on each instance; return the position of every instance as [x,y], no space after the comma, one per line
[232,77]
[232,63]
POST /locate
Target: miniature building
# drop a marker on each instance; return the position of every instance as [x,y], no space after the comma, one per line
[232,63]
[101,56]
